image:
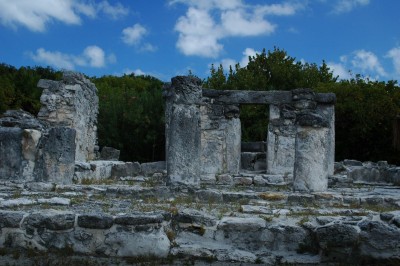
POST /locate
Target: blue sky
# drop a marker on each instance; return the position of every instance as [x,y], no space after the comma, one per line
[165,38]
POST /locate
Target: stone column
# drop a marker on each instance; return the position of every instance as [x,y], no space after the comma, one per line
[220,140]
[311,167]
[183,149]
[313,144]
[280,140]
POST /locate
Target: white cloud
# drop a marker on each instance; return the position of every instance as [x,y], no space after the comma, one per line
[229,62]
[238,23]
[198,34]
[207,22]
[56,59]
[339,69]
[343,6]
[35,15]
[114,12]
[95,56]
[92,56]
[133,35]
[394,54]
[367,61]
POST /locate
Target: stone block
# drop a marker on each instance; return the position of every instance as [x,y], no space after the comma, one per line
[52,220]
[125,169]
[109,154]
[11,219]
[148,169]
[95,221]
[139,219]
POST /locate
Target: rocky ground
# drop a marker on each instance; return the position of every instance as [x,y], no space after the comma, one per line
[239,220]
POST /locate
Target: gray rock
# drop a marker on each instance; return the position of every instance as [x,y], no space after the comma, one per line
[95,221]
[126,169]
[336,235]
[224,179]
[11,219]
[109,154]
[138,244]
[209,195]
[352,163]
[139,219]
[148,169]
[195,217]
[52,220]
[379,240]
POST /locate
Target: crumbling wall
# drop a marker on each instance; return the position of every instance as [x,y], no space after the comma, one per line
[32,150]
[72,102]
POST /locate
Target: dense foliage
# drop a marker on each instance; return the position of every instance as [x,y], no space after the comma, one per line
[131,116]
[18,88]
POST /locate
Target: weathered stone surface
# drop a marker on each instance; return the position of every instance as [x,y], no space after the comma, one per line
[148,169]
[209,195]
[285,237]
[379,240]
[52,220]
[220,139]
[336,235]
[242,233]
[248,97]
[11,219]
[10,153]
[183,131]
[21,119]
[281,143]
[311,163]
[95,221]
[126,169]
[139,219]
[109,154]
[138,244]
[57,163]
[72,102]
[193,216]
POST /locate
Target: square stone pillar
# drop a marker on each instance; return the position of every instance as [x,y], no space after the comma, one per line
[312,153]
[280,140]
[183,150]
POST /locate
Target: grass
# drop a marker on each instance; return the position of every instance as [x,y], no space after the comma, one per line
[272,196]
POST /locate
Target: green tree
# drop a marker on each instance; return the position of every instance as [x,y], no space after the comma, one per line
[131,116]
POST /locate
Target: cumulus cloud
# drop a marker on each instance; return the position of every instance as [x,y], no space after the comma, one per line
[92,56]
[362,62]
[344,6]
[207,22]
[367,61]
[113,11]
[394,54]
[35,15]
[339,69]
[133,35]
[229,62]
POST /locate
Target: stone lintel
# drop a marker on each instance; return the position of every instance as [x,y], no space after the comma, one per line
[261,97]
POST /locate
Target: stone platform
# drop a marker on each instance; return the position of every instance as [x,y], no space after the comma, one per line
[244,219]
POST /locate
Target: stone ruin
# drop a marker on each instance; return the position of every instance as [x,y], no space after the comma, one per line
[204,136]
[203,205]
[46,148]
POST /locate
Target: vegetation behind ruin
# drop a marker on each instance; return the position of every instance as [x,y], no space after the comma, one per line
[131,114]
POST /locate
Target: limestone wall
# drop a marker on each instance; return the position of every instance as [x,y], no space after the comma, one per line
[72,102]
[31,150]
